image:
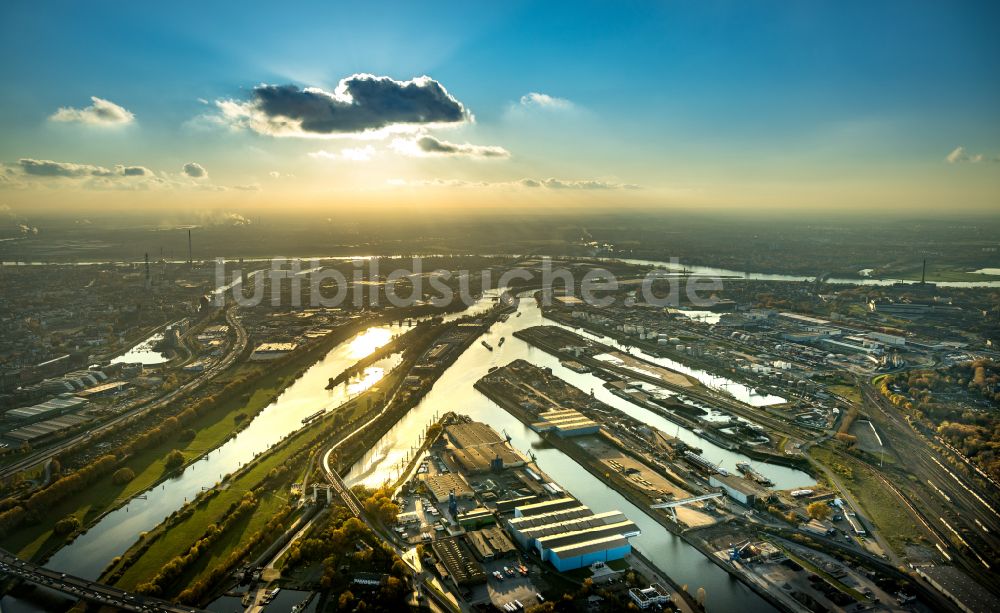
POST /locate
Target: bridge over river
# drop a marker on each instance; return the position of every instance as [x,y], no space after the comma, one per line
[83,589]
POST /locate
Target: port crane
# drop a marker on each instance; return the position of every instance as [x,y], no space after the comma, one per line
[736,553]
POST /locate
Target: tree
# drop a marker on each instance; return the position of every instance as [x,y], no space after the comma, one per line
[67,525]
[174,459]
[819,510]
[123,476]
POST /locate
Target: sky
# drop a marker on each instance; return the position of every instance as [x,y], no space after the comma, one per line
[322,107]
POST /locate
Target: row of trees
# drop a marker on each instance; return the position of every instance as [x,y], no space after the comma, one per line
[42,501]
[175,567]
[201,587]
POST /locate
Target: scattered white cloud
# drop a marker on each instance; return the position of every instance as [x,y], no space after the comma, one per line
[361,104]
[252,187]
[527,183]
[545,101]
[959,155]
[426,145]
[349,154]
[101,113]
[576,184]
[195,170]
[32,173]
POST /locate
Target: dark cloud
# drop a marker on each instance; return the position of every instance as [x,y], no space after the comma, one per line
[48,168]
[195,170]
[360,103]
[433,146]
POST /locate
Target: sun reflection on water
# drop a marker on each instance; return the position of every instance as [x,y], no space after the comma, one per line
[370,340]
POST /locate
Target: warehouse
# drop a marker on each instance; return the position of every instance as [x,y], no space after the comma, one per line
[490,543]
[556,523]
[546,506]
[47,409]
[440,486]
[737,488]
[478,448]
[40,431]
[565,423]
[475,518]
[579,555]
[459,562]
[272,351]
[547,544]
[520,526]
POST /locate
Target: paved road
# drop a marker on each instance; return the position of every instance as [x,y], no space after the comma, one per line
[50,452]
[84,589]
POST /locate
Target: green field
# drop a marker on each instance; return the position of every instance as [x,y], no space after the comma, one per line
[879,503]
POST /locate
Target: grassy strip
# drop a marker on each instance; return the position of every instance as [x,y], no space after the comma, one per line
[880,504]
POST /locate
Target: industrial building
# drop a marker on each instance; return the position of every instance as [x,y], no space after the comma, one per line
[50,408]
[578,555]
[440,486]
[644,598]
[272,351]
[475,518]
[105,389]
[547,544]
[477,448]
[42,430]
[459,562]
[490,544]
[739,489]
[565,423]
[572,536]
[545,506]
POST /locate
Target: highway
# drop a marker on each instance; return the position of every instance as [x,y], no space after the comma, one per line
[43,455]
[83,589]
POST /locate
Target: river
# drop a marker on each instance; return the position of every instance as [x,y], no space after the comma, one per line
[710,271]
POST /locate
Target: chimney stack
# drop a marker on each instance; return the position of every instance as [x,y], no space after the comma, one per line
[189,249]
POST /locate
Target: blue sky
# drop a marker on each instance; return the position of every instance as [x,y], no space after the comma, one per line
[742,104]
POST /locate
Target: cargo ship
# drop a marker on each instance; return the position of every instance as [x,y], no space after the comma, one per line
[488,346]
[752,474]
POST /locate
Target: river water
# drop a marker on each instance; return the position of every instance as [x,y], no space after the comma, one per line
[709,271]
[143,353]
[454,392]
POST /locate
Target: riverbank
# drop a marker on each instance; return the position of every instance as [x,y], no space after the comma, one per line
[583,459]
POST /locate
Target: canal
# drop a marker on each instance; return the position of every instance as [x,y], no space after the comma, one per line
[454,392]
